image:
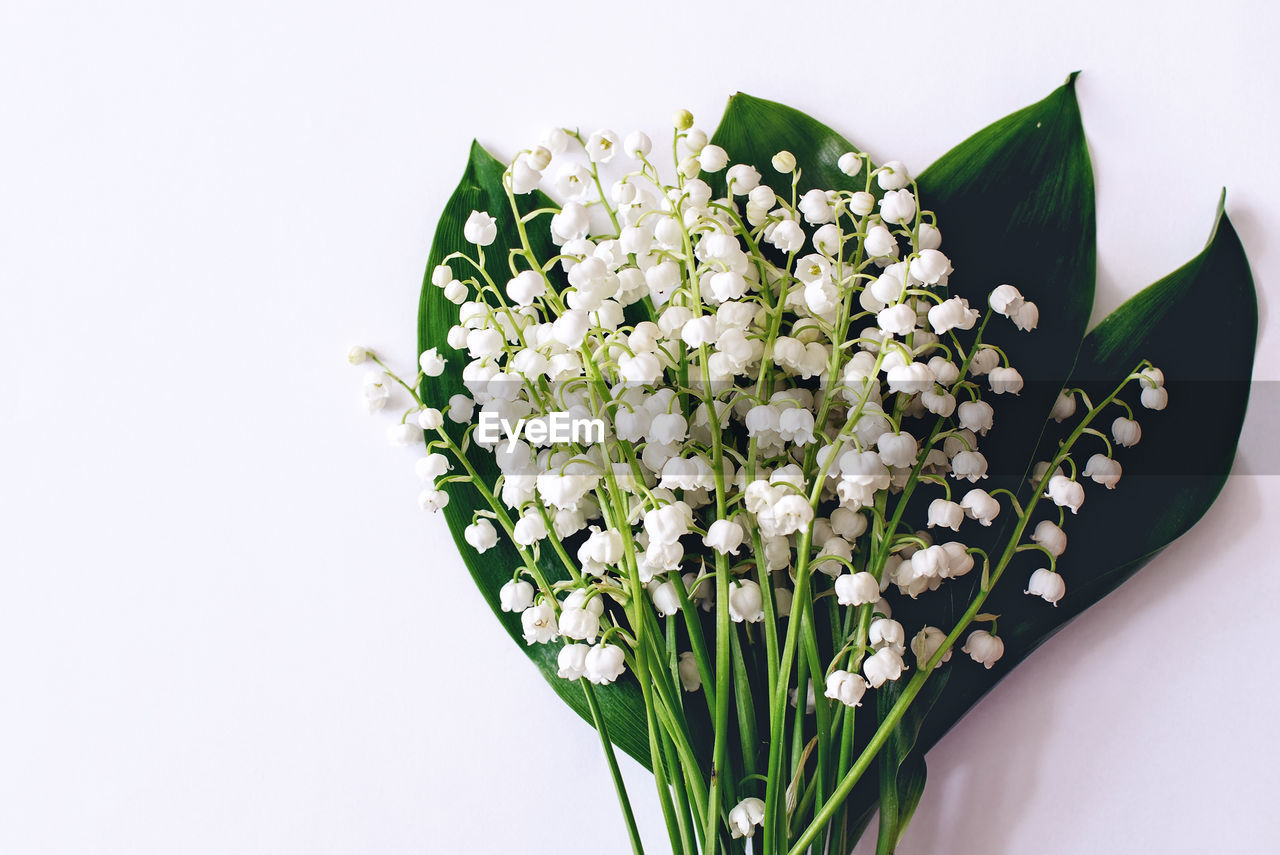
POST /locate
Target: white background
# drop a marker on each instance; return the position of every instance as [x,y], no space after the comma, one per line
[224,625]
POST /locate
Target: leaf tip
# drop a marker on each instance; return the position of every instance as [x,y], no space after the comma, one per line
[1071,79]
[1218,216]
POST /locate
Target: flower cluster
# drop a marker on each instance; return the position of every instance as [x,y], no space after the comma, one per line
[778,367]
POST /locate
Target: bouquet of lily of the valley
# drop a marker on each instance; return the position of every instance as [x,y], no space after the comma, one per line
[775,459]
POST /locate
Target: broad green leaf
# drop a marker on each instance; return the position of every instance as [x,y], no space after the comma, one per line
[902,771]
[481,189]
[1170,478]
[753,130]
[1015,205]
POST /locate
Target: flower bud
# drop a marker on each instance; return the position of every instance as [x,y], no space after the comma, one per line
[687,668]
[850,163]
[455,292]
[742,179]
[481,535]
[745,602]
[784,161]
[713,158]
[893,176]
[637,145]
[689,167]
[816,208]
[899,207]
[880,243]
[682,120]
[862,203]
[540,158]
[429,418]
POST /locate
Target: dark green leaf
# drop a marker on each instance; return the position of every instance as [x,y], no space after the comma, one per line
[901,768]
[753,130]
[1015,204]
[1172,476]
[481,189]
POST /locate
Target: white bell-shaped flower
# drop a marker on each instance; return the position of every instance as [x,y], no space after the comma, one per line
[846,687]
[745,816]
[884,665]
[857,589]
[1103,470]
[981,506]
[572,661]
[927,642]
[1065,493]
[480,228]
[984,648]
[1047,585]
[604,663]
[724,536]
[481,535]
[1048,535]
[539,624]
[516,595]
[745,601]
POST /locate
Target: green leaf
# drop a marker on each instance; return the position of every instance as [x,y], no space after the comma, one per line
[753,130]
[481,189]
[1015,204]
[902,770]
[1170,478]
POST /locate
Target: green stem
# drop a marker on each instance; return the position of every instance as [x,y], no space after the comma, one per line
[597,718]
